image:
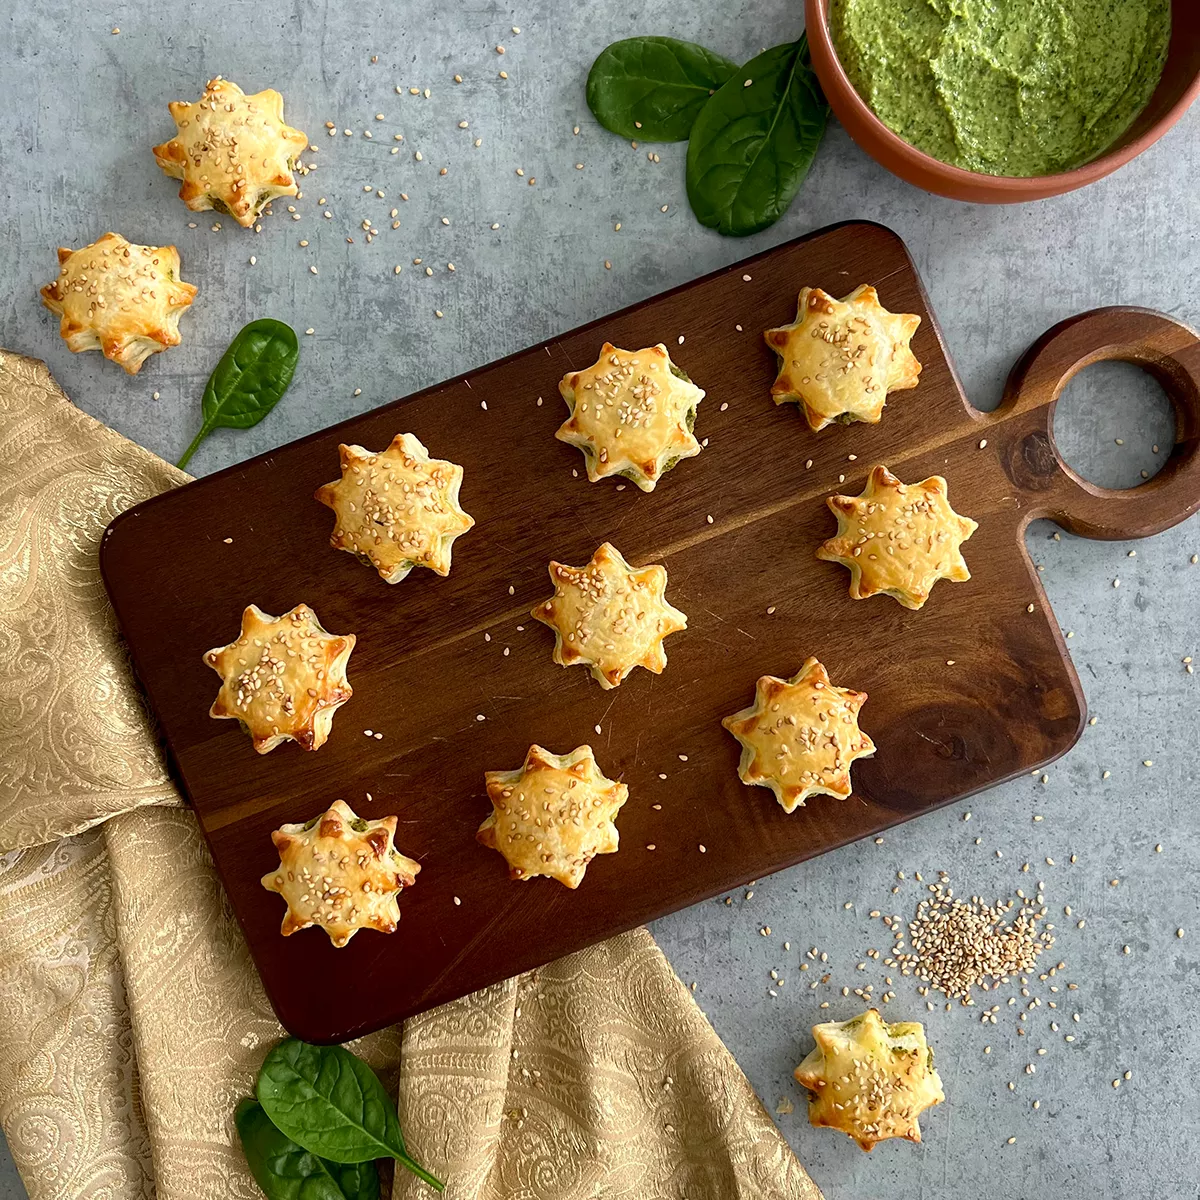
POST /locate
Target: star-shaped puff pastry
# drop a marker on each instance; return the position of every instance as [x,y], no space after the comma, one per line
[870,1079]
[632,414]
[232,151]
[800,736]
[121,299]
[283,678]
[898,538]
[341,872]
[553,815]
[609,616]
[840,358]
[397,509]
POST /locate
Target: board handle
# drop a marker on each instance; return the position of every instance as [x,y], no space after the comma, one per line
[1164,347]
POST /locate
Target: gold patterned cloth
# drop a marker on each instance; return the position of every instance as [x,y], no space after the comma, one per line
[131,1017]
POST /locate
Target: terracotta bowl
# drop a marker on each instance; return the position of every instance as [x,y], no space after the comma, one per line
[1178,87]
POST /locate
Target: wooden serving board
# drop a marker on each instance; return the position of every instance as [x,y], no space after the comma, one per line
[736,527]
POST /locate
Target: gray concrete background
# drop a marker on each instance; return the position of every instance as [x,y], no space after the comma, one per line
[84,105]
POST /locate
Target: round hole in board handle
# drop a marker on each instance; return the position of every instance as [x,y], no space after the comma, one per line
[1158,344]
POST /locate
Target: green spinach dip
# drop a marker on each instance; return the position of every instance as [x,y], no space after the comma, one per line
[1004,87]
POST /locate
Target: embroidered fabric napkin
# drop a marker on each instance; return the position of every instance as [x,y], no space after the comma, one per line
[131,1017]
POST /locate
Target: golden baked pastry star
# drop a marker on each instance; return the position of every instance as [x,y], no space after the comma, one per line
[121,299]
[898,538]
[283,678]
[232,151]
[341,872]
[840,358]
[553,815]
[609,616]
[800,736]
[397,509]
[632,414]
[870,1079]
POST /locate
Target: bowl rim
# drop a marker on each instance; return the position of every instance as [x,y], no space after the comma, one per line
[816,22]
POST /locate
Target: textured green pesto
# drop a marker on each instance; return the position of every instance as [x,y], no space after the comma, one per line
[1004,87]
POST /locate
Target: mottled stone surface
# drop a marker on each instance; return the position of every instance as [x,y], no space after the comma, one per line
[82,108]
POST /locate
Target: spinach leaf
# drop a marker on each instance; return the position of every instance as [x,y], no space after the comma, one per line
[653,88]
[330,1102]
[286,1171]
[249,380]
[753,142]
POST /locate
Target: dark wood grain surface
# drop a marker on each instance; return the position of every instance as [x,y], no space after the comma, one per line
[424,671]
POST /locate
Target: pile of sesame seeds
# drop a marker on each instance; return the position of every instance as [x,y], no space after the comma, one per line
[959,945]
